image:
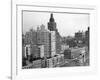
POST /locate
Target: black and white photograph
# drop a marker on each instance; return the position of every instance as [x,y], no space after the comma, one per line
[55,39]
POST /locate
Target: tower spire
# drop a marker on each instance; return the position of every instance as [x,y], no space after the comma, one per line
[51,18]
[52,23]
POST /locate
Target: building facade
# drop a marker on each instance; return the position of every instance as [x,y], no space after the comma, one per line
[52,28]
[43,38]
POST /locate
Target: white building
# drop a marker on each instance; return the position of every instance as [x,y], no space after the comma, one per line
[53,43]
[27,51]
[41,51]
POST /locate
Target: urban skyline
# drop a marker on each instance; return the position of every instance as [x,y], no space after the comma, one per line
[67,24]
[47,48]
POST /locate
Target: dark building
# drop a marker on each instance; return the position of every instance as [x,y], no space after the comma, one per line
[67,54]
[23,51]
[78,36]
[23,46]
[87,37]
[52,23]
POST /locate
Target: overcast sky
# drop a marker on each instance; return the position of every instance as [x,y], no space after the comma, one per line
[67,24]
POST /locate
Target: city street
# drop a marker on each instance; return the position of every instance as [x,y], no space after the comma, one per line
[71,63]
[75,61]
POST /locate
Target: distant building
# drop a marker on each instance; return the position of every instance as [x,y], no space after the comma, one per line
[68,41]
[71,42]
[30,37]
[87,37]
[43,38]
[79,36]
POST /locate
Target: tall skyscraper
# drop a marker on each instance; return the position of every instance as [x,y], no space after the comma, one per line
[87,37]
[57,38]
